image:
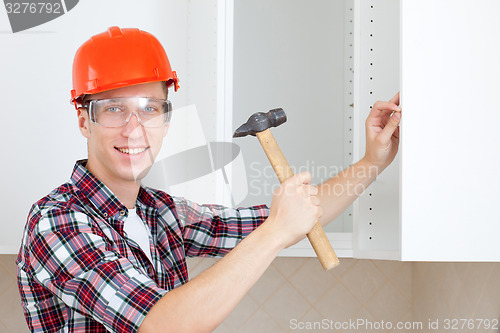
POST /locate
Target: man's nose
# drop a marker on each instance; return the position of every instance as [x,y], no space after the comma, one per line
[133,125]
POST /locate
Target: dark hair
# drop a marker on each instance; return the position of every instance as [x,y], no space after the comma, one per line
[165,88]
[85,97]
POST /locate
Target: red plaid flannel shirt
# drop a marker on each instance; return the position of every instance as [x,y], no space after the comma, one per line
[78,271]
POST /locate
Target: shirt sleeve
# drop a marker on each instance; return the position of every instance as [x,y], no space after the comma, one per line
[72,259]
[214,230]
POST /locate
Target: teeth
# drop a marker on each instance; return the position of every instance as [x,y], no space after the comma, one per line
[134,151]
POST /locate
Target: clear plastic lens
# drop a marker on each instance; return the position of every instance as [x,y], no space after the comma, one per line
[117,112]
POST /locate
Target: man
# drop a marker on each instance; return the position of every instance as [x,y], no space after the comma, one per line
[101,252]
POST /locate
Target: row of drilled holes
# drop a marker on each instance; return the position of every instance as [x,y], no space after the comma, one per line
[371,93]
[350,107]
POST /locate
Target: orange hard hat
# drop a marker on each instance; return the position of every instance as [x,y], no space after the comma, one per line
[119,58]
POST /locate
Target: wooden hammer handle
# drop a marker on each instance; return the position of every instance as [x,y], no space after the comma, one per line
[317,236]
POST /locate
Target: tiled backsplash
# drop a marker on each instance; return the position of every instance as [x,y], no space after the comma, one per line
[11,314]
[296,293]
[457,295]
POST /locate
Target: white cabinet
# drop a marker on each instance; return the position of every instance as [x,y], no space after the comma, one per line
[376,77]
[438,202]
[450,181]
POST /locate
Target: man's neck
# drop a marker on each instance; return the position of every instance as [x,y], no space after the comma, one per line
[125,191]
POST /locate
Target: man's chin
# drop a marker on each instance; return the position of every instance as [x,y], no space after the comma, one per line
[136,174]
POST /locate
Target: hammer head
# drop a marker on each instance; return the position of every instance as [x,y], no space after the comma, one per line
[261,121]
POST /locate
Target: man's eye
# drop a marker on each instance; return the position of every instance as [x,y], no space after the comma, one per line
[113,109]
[150,109]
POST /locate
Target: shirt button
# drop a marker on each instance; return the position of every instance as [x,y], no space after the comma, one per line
[105,214]
[150,271]
[122,212]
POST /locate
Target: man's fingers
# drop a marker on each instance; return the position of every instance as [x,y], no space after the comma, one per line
[395,99]
[312,190]
[382,107]
[315,201]
[390,127]
[391,105]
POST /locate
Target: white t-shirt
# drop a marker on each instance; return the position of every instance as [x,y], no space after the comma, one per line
[138,231]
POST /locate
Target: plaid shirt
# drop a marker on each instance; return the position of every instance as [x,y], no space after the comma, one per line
[78,271]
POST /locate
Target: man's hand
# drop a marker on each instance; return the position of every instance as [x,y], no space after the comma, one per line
[295,209]
[382,133]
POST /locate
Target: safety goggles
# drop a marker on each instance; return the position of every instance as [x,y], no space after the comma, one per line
[117,112]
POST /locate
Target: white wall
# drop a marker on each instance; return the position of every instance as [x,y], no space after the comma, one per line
[39,136]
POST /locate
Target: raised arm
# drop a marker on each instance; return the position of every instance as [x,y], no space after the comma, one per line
[382,141]
[203,303]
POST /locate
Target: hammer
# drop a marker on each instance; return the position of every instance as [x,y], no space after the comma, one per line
[259,125]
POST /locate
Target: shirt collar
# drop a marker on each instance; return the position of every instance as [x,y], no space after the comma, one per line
[101,197]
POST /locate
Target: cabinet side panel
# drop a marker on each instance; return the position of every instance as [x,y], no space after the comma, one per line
[376,217]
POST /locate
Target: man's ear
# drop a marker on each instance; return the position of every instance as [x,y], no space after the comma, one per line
[84,122]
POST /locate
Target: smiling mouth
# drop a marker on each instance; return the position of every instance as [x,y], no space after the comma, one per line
[133,151]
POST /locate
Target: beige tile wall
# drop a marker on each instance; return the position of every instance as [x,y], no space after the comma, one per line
[297,291]
[11,315]
[454,291]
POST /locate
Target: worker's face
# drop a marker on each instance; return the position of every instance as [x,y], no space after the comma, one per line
[108,158]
